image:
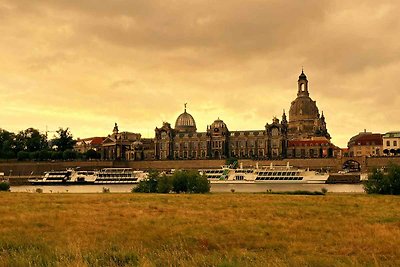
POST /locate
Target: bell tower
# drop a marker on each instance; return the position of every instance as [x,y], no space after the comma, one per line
[302,85]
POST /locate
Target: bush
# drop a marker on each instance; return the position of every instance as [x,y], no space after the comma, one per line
[4,186]
[164,184]
[39,190]
[148,185]
[180,181]
[387,183]
[69,154]
[92,154]
[190,181]
[56,155]
[44,155]
[23,155]
[324,190]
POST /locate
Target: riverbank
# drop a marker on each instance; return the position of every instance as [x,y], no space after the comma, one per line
[234,229]
[215,188]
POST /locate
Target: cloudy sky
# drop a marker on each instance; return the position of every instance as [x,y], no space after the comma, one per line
[87,64]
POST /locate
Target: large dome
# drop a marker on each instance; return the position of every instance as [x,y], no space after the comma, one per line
[303,108]
[185,123]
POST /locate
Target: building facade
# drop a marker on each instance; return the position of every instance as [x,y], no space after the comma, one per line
[305,135]
[365,144]
[391,143]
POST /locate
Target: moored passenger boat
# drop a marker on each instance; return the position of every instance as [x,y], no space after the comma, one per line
[271,174]
[119,176]
[104,176]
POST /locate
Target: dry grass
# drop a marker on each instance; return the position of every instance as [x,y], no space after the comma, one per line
[198,230]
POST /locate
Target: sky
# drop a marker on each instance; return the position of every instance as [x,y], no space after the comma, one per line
[88,64]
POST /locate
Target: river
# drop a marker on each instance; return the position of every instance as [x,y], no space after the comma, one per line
[245,188]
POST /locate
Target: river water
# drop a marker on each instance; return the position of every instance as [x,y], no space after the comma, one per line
[248,188]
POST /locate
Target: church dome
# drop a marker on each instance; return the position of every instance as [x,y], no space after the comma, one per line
[185,123]
[303,108]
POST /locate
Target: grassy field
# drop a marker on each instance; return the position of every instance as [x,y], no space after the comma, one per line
[198,230]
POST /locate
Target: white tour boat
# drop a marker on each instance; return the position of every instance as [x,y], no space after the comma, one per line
[104,176]
[271,174]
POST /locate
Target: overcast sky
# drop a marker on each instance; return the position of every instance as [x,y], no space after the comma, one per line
[87,64]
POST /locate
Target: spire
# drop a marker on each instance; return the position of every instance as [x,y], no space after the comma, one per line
[185,106]
[302,75]
[302,84]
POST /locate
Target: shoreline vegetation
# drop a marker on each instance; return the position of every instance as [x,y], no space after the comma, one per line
[199,230]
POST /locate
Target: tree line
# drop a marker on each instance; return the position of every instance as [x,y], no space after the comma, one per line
[30,144]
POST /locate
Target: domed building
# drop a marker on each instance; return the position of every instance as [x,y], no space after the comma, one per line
[304,135]
[185,123]
[304,118]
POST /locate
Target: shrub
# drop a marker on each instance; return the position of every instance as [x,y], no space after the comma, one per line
[106,190]
[44,155]
[164,184]
[39,190]
[190,181]
[22,155]
[92,154]
[324,190]
[69,154]
[4,186]
[56,155]
[148,185]
[180,181]
[387,183]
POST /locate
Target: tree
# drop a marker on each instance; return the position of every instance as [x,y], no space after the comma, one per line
[190,181]
[380,182]
[69,154]
[7,144]
[92,154]
[148,185]
[31,140]
[164,184]
[179,182]
[64,140]
[23,155]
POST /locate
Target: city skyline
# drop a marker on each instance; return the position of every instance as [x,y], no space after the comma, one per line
[86,66]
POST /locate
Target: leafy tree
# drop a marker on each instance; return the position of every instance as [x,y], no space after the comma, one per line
[179,182]
[380,182]
[190,181]
[7,144]
[44,155]
[56,155]
[31,140]
[148,185]
[64,140]
[92,154]
[23,155]
[164,184]
[69,154]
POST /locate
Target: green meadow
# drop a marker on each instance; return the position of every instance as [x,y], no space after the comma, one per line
[199,230]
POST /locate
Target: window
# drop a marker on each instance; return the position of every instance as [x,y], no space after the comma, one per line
[387,143]
[394,143]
